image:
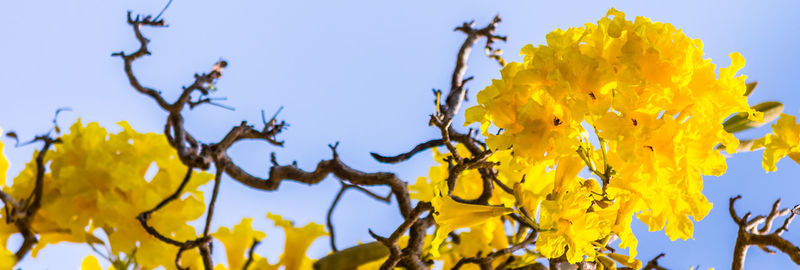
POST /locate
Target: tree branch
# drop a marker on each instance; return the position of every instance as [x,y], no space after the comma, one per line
[749,234]
[23,213]
[405,156]
[457,91]
[338,197]
[486,262]
[250,254]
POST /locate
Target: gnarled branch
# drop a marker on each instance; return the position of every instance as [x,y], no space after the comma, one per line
[749,235]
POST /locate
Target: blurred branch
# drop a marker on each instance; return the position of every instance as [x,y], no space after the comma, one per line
[250,254]
[23,212]
[338,197]
[653,263]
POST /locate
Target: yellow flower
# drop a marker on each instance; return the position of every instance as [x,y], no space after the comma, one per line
[784,141]
[90,263]
[569,227]
[297,242]
[482,239]
[649,94]
[451,215]
[3,164]
[108,197]
[238,241]
[469,184]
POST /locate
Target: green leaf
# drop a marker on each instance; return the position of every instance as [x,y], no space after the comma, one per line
[750,87]
[352,257]
[745,145]
[739,122]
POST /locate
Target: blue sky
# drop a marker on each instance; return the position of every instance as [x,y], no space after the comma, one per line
[358,72]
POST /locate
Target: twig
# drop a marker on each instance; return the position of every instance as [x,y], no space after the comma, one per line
[250,254]
[749,235]
[171,197]
[162,10]
[405,156]
[324,168]
[331,230]
[23,215]
[486,262]
[178,259]
[339,195]
[653,263]
[457,90]
[395,254]
[214,195]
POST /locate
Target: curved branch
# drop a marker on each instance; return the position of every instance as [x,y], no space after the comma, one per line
[145,216]
[137,24]
[23,215]
[250,254]
[778,242]
[330,215]
[457,91]
[486,262]
[324,168]
[405,156]
[748,235]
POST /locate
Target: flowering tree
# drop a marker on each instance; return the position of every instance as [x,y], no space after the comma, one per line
[633,103]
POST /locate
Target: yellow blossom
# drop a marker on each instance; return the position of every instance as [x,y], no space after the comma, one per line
[90,263]
[79,177]
[656,104]
[784,141]
[3,164]
[451,215]
[568,226]
[298,239]
[238,241]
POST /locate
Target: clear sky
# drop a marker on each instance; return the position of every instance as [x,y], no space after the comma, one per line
[358,72]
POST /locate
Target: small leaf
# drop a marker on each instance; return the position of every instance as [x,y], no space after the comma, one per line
[750,87]
[745,145]
[739,122]
[352,257]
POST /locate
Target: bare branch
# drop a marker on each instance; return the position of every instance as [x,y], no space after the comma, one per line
[653,263]
[457,91]
[324,168]
[137,24]
[23,215]
[250,254]
[395,254]
[178,259]
[748,235]
[405,156]
[486,262]
[214,195]
[329,223]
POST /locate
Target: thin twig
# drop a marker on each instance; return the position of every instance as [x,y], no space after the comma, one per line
[653,263]
[23,215]
[162,10]
[251,254]
[405,156]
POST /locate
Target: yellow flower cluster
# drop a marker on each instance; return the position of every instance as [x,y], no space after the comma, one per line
[97,184]
[654,107]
